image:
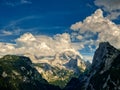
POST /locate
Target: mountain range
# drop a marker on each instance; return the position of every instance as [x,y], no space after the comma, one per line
[66,70]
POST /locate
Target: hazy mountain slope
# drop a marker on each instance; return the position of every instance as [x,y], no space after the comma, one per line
[61,68]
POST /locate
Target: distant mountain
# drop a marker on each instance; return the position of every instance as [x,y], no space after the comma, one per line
[104,73]
[59,69]
[18,73]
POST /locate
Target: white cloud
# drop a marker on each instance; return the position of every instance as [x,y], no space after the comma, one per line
[99,26]
[9,33]
[38,45]
[14,29]
[28,37]
[113,15]
[94,29]
[6,33]
[93,23]
[58,42]
[110,6]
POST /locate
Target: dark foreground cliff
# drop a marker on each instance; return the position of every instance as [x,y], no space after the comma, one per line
[104,73]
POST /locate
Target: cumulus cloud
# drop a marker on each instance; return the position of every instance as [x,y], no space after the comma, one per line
[112,7]
[93,23]
[87,33]
[97,28]
[40,45]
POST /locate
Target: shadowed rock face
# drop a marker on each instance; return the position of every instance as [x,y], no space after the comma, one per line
[18,73]
[103,73]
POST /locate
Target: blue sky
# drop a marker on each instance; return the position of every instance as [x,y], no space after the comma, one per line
[51,17]
[48,16]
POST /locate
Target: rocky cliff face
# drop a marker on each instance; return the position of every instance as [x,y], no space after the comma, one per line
[103,73]
[18,73]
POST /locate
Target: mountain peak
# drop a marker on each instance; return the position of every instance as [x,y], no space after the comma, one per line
[104,51]
[105,44]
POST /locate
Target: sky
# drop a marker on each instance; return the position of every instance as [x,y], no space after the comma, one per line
[45,26]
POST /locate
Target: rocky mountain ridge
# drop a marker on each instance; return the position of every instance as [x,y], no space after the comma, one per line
[103,73]
[19,73]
